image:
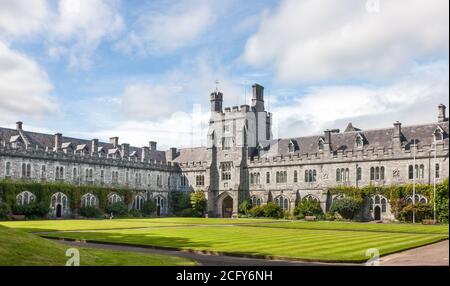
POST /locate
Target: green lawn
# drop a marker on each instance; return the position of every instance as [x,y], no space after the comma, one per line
[323,241]
[353,226]
[24,249]
[69,225]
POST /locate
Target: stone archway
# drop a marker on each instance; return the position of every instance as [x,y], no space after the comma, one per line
[227,207]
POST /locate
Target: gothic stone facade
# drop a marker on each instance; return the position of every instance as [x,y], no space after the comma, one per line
[241,161]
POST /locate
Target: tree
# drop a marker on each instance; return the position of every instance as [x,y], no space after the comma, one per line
[308,208]
[198,202]
[346,207]
[272,210]
[117,209]
[180,203]
[245,207]
[149,208]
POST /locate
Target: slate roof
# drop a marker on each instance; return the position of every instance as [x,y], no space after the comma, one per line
[377,138]
[199,154]
[48,140]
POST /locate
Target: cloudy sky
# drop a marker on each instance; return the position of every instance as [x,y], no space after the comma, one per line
[143,70]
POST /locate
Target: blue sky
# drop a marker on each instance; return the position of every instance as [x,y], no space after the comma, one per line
[138,69]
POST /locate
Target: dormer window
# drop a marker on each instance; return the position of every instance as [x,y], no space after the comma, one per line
[291,147]
[359,142]
[439,134]
[321,144]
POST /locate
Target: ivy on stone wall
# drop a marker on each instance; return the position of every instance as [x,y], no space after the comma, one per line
[44,191]
[396,194]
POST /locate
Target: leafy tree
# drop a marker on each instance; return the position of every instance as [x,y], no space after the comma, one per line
[442,202]
[149,208]
[256,211]
[346,207]
[33,210]
[272,210]
[117,209]
[180,201]
[4,210]
[308,208]
[423,211]
[245,207]
[198,203]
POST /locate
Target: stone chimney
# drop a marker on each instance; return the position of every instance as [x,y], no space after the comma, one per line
[125,150]
[152,145]
[258,97]
[58,142]
[19,125]
[145,156]
[94,147]
[114,141]
[327,140]
[441,113]
[171,154]
[397,135]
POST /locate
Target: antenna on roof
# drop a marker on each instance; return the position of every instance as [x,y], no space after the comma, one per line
[217,85]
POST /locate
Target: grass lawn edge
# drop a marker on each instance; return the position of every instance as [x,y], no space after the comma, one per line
[234,254]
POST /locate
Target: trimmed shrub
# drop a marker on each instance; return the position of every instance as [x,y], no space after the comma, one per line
[245,207]
[135,213]
[272,210]
[4,210]
[118,209]
[442,202]
[346,207]
[423,211]
[198,203]
[187,213]
[33,210]
[90,212]
[180,201]
[308,208]
[256,211]
[149,208]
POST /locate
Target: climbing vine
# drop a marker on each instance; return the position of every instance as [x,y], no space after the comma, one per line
[44,191]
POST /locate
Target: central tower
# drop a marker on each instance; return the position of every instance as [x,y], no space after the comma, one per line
[234,132]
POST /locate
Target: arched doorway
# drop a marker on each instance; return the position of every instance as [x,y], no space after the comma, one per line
[377,213]
[160,205]
[58,211]
[227,207]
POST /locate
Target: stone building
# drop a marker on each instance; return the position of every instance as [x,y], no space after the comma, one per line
[241,161]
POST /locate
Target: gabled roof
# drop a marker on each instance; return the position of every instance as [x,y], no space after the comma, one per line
[47,141]
[377,138]
[351,128]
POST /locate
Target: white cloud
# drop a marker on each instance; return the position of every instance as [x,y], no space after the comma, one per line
[22,18]
[177,130]
[314,40]
[71,28]
[163,32]
[144,101]
[80,26]
[25,89]
[412,100]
